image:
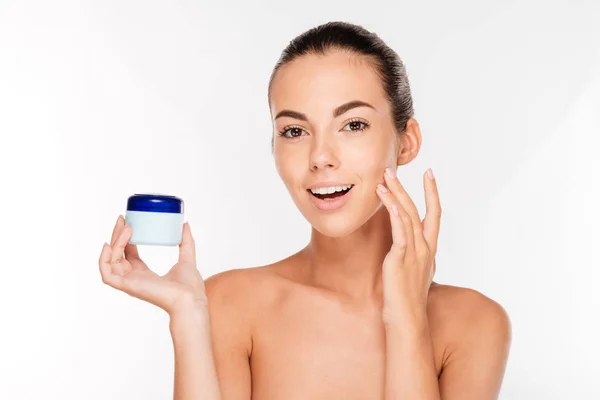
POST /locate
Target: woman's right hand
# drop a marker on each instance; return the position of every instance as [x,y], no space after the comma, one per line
[122,268]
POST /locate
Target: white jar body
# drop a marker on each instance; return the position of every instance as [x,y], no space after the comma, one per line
[155,228]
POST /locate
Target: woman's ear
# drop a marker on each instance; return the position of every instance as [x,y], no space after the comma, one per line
[410,142]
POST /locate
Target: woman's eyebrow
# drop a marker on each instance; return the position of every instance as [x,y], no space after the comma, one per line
[336,113]
[291,114]
[349,106]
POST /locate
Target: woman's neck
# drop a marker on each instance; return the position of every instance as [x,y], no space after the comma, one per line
[350,266]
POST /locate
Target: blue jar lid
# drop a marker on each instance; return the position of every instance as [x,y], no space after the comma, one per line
[154,202]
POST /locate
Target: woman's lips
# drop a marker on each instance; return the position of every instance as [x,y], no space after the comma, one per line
[330,205]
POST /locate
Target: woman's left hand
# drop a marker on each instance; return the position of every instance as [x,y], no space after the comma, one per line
[409,267]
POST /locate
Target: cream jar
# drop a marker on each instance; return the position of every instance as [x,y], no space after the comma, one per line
[155,219]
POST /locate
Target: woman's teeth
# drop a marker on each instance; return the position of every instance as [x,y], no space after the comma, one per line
[330,189]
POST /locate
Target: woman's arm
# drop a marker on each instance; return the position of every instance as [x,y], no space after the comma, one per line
[472,370]
[181,293]
[409,362]
[195,374]
[231,309]
[474,361]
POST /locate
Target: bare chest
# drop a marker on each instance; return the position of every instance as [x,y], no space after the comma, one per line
[313,348]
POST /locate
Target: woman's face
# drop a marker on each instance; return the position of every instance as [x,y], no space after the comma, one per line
[332,127]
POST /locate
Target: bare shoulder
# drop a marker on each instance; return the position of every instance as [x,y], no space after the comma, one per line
[248,290]
[236,298]
[473,341]
[465,305]
[236,286]
[222,282]
[465,314]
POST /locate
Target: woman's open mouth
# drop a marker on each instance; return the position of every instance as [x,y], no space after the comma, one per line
[328,193]
[330,198]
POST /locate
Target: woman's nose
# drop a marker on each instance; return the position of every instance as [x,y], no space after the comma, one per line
[323,156]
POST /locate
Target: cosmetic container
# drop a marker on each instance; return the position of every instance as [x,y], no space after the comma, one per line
[155,219]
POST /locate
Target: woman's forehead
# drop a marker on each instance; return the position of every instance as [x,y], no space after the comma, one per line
[326,81]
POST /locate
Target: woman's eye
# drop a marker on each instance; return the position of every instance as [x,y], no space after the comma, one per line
[292,132]
[356,126]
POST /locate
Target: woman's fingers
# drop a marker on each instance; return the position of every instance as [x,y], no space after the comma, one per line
[130,275]
[106,269]
[187,247]
[118,247]
[117,229]
[400,220]
[131,252]
[110,268]
[120,264]
[132,255]
[147,288]
[431,222]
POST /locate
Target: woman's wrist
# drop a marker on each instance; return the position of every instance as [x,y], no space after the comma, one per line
[195,373]
[411,323]
[189,311]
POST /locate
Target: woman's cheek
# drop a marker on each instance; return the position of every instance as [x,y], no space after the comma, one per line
[372,165]
[290,174]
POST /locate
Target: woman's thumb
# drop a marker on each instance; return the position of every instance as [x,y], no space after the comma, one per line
[187,248]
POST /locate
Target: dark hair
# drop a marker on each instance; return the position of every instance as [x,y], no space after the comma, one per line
[355,38]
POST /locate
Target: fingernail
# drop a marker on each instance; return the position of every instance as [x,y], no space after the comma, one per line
[430,174]
[390,173]
[381,188]
[395,210]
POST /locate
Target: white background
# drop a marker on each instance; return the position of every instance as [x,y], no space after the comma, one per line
[103,99]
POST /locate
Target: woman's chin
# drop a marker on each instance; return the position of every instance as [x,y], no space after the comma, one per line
[341,222]
[335,225]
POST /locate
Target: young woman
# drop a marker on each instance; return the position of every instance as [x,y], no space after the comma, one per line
[354,314]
